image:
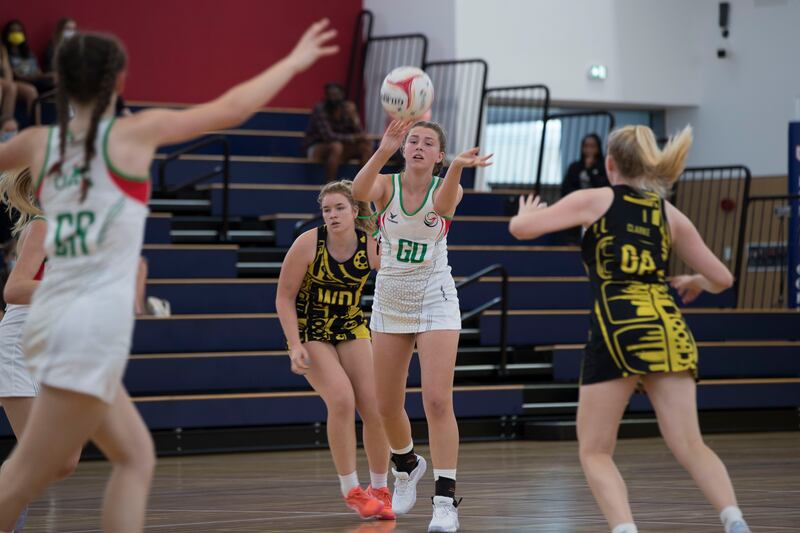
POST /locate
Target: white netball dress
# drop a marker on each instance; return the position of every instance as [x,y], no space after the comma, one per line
[79,328]
[414,290]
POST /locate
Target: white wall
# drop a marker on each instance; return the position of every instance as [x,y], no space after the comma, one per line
[434,18]
[748,98]
[659,54]
[555,41]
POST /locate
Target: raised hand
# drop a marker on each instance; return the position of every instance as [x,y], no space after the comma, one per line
[470,158]
[689,287]
[314,43]
[394,135]
[530,204]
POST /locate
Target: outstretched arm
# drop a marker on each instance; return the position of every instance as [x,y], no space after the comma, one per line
[366,185]
[449,195]
[580,208]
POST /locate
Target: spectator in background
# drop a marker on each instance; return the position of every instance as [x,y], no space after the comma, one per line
[8,88]
[65,28]
[335,133]
[8,128]
[589,171]
[23,60]
[11,89]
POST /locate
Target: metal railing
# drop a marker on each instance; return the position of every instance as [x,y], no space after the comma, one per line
[355,67]
[763,257]
[570,129]
[36,109]
[512,126]
[300,225]
[714,199]
[223,170]
[502,300]
[460,86]
[381,55]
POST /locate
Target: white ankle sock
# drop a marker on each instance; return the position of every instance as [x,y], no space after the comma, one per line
[625,528]
[403,450]
[348,482]
[450,474]
[377,481]
[729,515]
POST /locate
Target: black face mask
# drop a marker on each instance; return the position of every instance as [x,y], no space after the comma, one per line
[333,105]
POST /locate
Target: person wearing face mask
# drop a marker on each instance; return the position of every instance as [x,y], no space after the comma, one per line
[23,60]
[335,133]
[66,27]
[11,89]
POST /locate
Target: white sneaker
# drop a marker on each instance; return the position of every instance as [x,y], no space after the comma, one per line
[739,526]
[445,515]
[405,487]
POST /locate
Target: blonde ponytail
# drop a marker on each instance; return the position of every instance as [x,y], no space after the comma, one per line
[16,191]
[642,164]
[365,220]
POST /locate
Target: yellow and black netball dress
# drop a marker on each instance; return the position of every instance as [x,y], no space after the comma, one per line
[635,326]
[328,307]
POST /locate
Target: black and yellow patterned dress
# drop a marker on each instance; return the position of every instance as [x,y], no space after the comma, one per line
[328,303]
[635,326]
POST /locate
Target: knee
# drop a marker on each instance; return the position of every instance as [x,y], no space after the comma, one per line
[438,406]
[594,449]
[388,409]
[370,414]
[68,468]
[684,448]
[341,405]
[335,150]
[138,457]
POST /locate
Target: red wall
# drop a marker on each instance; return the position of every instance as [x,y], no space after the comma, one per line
[192,50]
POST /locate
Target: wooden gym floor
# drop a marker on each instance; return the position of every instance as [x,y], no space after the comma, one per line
[507,486]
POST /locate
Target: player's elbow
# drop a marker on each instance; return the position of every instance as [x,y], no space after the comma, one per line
[724,280]
[518,230]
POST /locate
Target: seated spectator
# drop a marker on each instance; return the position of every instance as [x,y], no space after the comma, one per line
[65,28]
[11,89]
[590,170]
[335,134]
[8,129]
[23,61]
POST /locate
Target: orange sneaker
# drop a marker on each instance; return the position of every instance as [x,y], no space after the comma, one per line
[383,495]
[364,504]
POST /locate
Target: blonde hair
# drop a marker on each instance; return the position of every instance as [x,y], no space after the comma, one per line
[365,220]
[16,191]
[643,164]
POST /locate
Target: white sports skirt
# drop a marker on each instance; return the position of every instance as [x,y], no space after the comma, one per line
[80,340]
[415,302]
[15,378]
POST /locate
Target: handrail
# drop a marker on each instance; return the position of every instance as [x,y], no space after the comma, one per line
[502,300]
[224,170]
[300,224]
[557,116]
[36,109]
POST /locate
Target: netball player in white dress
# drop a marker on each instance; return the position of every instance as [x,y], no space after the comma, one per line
[416,303]
[92,175]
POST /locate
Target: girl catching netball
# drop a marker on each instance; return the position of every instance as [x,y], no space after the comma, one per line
[637,333]
[416,304]
[92,180]
[318,303]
